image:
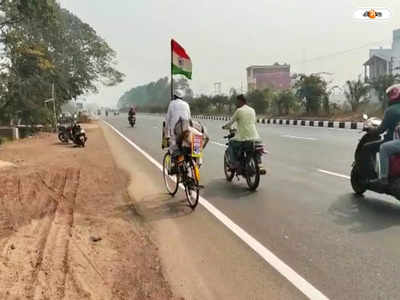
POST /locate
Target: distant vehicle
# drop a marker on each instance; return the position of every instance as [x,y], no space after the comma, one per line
[132,120]
[365,164]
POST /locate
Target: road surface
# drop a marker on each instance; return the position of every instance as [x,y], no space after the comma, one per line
[304,211]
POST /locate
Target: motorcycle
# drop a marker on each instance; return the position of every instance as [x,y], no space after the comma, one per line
[62,133]
[132,120]
[249,163]
[366,167]
[78,135]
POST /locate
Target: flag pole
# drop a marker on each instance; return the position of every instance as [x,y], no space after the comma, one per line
[172,79]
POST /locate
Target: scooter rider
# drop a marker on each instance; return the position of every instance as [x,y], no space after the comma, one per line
[389,146]
[245,117]
[132,111]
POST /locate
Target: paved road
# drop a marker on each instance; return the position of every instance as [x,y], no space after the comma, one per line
[304,210]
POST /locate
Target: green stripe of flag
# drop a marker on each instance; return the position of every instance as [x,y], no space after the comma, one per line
[177,70]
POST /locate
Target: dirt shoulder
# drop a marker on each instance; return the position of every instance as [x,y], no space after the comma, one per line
[68,228]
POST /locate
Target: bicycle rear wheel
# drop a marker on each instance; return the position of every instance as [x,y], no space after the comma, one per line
[171,181]
[191,183]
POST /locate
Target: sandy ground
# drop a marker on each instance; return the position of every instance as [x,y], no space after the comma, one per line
[68,229]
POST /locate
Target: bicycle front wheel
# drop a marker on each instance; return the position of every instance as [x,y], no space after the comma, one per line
[171,181]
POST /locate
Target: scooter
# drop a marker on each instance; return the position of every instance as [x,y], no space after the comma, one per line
[249,164]
[366,166]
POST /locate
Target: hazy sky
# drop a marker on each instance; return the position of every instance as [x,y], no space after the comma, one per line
[223,37]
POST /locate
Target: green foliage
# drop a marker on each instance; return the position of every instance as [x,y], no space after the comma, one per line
[157,93]
[381,83]
[258,101]
[356,93]
[311,90]
[285,101]
[45,44]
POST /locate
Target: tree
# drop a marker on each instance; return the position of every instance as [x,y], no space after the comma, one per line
[257,100]
[381,83]
[356,93]
[285,100]
[156,93]
[311,90]
[44,44]
[201,105]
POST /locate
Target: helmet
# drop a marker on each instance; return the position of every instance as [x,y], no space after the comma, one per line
[393,93]
[178,94]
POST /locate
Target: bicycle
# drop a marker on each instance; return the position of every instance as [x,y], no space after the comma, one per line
[187,161]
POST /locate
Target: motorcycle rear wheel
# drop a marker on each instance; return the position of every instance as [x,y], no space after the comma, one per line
[253,180]
[229,174]
[358,185]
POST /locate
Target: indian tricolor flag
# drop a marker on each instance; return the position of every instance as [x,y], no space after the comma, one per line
[181,63]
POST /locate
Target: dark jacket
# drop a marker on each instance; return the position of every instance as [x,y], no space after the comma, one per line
[390,121]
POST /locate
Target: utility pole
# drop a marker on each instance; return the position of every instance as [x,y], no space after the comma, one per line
[54,104]
[53,99]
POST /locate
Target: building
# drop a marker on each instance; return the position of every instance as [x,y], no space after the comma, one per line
[274,76]
[384,61]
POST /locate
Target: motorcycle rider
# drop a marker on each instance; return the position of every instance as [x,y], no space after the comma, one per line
[389,146]
[245,117]
[132,111]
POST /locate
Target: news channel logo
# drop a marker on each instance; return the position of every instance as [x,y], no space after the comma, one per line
[372,14]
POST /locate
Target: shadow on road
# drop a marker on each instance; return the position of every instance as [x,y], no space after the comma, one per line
[232,190]
[365,214]
[160,206]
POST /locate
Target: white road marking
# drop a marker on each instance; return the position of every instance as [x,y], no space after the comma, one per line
[334,174]
[299,282]
[299,137]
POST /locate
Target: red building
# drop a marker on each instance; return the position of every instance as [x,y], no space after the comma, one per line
[274,76]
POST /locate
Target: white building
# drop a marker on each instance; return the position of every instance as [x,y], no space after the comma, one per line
[384,61]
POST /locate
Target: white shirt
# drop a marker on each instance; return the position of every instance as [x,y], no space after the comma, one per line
[177,109]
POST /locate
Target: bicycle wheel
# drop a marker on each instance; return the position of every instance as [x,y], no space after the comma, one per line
[191,183]
[171,181]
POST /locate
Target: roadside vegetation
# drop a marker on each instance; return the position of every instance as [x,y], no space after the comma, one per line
[44,44]
[309,97]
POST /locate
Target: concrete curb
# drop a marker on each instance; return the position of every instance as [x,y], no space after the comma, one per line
[296,122]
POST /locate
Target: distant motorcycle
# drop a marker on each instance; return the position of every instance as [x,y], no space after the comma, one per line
[249,162]
[365,165]
[132,120]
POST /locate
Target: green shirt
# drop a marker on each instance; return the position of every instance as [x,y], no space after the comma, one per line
[245,117]
[390,121]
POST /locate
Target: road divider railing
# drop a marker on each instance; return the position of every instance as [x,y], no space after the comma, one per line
[293,122]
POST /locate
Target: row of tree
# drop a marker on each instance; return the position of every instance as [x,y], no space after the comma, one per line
[44,44]
[154,96]
[310,95]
